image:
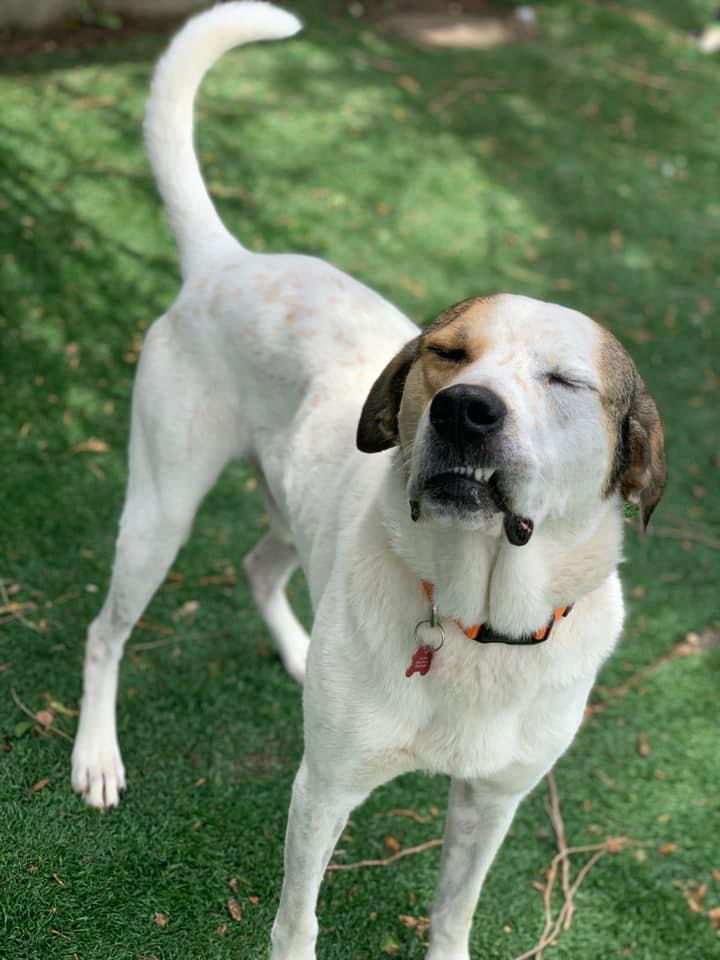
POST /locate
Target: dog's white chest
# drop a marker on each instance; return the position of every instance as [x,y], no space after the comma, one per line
[480,715]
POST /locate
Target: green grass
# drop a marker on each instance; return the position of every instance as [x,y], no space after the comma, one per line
[581,168]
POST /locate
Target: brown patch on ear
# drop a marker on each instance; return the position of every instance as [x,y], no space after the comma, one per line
[378,426]
[635,428]
[642,480]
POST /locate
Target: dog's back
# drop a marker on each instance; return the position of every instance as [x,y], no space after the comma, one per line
[256,326]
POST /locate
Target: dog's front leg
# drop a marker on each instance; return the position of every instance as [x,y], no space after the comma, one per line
[319,809]
[478,819]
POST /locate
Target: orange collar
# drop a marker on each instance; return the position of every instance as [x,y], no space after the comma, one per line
[482,633]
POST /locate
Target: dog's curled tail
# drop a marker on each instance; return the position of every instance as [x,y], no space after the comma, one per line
[198,229]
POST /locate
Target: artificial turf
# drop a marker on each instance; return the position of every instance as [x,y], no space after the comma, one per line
[580,167]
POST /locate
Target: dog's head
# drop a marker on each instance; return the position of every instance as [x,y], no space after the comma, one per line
[508,407]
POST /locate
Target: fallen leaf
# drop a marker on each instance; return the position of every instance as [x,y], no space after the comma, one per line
[222,929]
[643,745]
[93,445]
[714,917]
[16,607]
[188,609]
[392,843]
[419,924]
[408,83]
[227,578]
[668,848]
[45,718]
[62,709]
[616,844]
[234,909]
[695,898]
[40,785]
[160,919]
[254,900]
[233,884]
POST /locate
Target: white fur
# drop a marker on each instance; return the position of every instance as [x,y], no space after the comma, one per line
[270,357]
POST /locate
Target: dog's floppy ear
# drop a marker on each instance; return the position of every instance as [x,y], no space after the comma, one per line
[378,426]
[642,475]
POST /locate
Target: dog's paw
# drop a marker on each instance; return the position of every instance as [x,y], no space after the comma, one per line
[98,774]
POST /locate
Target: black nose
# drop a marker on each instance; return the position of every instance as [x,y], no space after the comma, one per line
[466,413]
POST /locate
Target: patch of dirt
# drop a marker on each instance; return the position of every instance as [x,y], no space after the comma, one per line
[431,23]
[258,765]
[471,25]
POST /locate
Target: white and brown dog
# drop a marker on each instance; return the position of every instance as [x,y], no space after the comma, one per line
[464,580]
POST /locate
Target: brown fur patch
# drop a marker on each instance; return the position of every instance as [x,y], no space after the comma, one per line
[460,328]
[414,375]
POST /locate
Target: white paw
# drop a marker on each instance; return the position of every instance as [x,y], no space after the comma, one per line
[98,774]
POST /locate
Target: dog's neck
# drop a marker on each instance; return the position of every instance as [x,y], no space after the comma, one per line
[479,577]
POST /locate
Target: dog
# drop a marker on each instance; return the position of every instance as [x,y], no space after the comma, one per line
[454,496]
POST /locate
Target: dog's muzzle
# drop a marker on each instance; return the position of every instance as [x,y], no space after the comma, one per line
[467,418]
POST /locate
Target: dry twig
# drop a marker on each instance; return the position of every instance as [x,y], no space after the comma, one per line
[691,645]
[553,808]
[417,817]
[29,713]
[407,852]
[15,609]
[553,927]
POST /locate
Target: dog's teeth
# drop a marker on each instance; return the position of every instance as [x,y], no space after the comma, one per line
[483,474]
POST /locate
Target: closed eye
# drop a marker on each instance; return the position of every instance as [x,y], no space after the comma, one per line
[452,355]
[569,382]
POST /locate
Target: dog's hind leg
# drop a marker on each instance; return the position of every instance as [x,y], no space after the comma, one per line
[180,441]
[268,567]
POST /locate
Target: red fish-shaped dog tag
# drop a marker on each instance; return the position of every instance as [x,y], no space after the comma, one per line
[421,661]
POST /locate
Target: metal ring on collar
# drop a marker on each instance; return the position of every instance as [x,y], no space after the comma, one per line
[433,626]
